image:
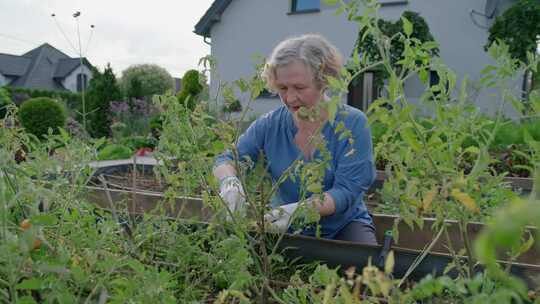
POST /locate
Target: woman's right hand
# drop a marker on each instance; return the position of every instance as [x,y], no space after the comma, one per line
[233,195]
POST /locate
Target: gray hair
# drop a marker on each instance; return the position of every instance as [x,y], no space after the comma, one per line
[317,53]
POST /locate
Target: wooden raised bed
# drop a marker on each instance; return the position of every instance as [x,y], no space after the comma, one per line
[411,241]
[143,201]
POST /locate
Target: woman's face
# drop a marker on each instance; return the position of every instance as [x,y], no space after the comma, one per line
[296,86]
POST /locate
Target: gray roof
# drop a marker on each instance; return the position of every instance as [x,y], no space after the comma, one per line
[11,65]
[40,68]
[66,66]
[212,15]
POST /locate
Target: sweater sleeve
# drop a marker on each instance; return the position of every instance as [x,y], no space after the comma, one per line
[249,144]
[355,171]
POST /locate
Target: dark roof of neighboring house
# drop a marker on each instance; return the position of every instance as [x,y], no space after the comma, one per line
[39,68]
[212,15]
[66,66]
[11,65]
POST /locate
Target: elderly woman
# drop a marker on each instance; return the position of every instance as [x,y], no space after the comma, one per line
[297,71]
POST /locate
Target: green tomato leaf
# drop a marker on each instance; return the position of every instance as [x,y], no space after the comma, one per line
[31,284]
[410,139]
[44,219]
[407,26]
[332,110]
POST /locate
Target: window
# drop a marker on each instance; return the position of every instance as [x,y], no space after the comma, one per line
[363,91]
[267,94]
[434,80]
[82,82]
[393,2]
[305,6]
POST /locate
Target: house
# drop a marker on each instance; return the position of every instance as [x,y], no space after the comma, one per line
[45,68]
[177,84]
[238,29]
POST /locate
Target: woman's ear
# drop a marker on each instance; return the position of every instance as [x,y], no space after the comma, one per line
[324,93]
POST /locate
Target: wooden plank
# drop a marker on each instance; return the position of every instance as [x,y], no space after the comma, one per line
[136,202]
[417,238]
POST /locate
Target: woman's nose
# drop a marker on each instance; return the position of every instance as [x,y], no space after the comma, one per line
[291,95]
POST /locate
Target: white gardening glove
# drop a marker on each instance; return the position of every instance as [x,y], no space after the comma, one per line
[232,193]
[280,217]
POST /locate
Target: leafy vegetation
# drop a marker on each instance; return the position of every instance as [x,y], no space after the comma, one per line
[114,152]
[38,115]
[19,95]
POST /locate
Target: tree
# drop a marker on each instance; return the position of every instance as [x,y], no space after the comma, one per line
[519,28]
[135,89]
[191,88]
[143,80]
[366,45]
[102,90]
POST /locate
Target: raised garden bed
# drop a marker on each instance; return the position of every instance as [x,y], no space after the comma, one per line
[334,253]
[148,194]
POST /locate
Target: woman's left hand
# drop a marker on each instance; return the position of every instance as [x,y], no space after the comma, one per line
[280,217]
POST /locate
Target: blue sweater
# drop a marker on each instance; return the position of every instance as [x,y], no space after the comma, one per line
[346,179]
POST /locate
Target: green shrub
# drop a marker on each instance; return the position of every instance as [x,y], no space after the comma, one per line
[73,100]
[5,100]
[137,142]
[191,88]
[508,134]
[37,115]
[114,152]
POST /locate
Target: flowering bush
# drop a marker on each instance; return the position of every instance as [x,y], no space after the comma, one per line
[135,114]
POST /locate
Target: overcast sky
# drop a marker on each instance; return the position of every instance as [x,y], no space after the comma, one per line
[126,32]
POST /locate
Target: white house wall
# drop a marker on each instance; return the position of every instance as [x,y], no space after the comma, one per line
[6,80]
[248,27]
[70,82]
[461,40]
